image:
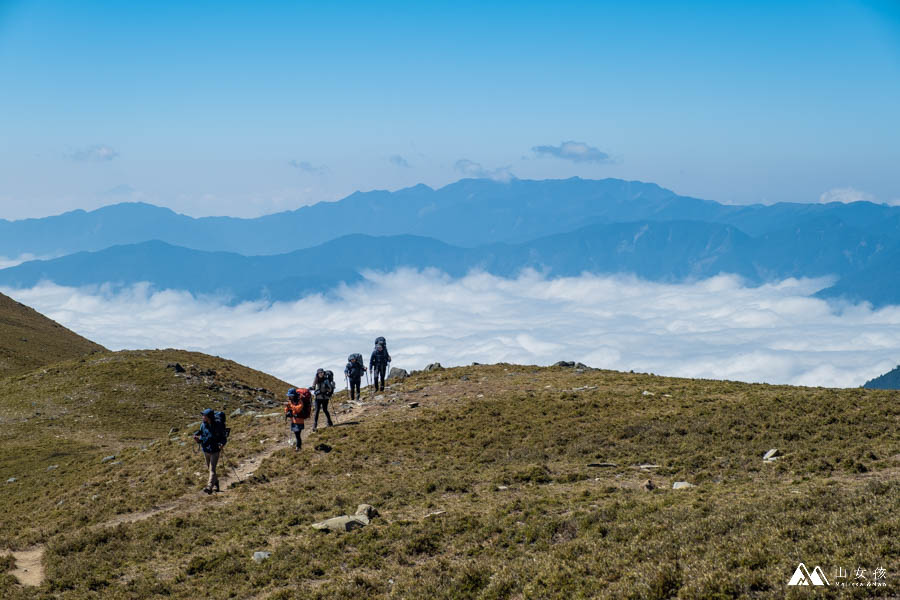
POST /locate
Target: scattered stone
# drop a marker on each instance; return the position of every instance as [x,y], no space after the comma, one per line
[176,367]
[647,467]
[579,371]
[646,393]
[342,523]
[323,447]
[434,514]
[502,488]
[682,485]
[61,502]
[480,396]
[583,367]
[106,459]
[95,496]
[434,367]
[771,454]
[11,480]
[564,363]
[397,373]
[476,364]
[52,467]
[464,378]
[648,485]
[172,430]
[413,404]
[366,510]
[261,556]
[603,464]
[379,397]
[237,412]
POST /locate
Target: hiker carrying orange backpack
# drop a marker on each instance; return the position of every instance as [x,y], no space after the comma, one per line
[297,410]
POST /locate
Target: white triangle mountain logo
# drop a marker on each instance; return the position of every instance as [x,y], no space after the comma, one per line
[802,576]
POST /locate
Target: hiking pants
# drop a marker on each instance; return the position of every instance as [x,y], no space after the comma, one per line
[322,404]
[212,461]
[297,428]
[354,385]
[378,373]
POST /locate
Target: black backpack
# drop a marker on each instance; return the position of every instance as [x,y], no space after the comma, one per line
[382,341]
[219,429]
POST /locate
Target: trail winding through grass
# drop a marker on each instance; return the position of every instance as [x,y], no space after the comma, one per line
[29,568]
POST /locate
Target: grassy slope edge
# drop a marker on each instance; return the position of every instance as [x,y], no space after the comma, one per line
[29,340]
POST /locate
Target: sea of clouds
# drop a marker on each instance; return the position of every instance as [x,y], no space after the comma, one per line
[716,328]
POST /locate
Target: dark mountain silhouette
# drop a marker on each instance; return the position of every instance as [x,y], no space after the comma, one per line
[888,381]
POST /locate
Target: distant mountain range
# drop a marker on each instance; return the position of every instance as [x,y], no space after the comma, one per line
[468,213]
[560,227]
[667,251]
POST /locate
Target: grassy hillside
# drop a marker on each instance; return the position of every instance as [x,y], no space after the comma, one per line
[486,489]
[57,424]
[29,340]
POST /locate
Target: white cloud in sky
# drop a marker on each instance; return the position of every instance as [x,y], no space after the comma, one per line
[845,195]
[96,153]
[6,262]
[715,328]
[574,151]
[470,168]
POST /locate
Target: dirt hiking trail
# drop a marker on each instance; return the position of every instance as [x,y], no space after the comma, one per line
[29,569]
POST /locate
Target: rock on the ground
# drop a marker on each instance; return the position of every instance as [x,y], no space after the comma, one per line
[397,373]
[52,467]
[581,366]
[342,523]
[413,404]
[366,510]
[11,480]
[106,459]
[646,393]
[323,447]
[261,556]
[682,485]
[564,363]
[772,454]
[603,464]
[648,485]
[434,367]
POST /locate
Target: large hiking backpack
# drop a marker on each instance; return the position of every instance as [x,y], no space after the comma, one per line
[306,401]
[380,356]
[382,341]
[357,356]
[219,429]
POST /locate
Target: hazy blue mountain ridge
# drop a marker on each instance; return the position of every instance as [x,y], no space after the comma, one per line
[670,251]
[469,213]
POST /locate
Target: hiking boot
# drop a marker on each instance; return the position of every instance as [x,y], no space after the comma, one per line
[217,487]
[315,429]
[207,490]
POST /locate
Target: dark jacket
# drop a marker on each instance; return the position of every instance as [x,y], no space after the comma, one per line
[354,370]
[379,358]
[210,441]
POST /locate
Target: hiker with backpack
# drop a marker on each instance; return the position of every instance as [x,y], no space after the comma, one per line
[212,437]
[379,362]
[354,372]
[297,410]
[323,388]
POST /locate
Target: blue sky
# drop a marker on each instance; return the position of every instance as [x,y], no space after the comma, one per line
[248,108]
